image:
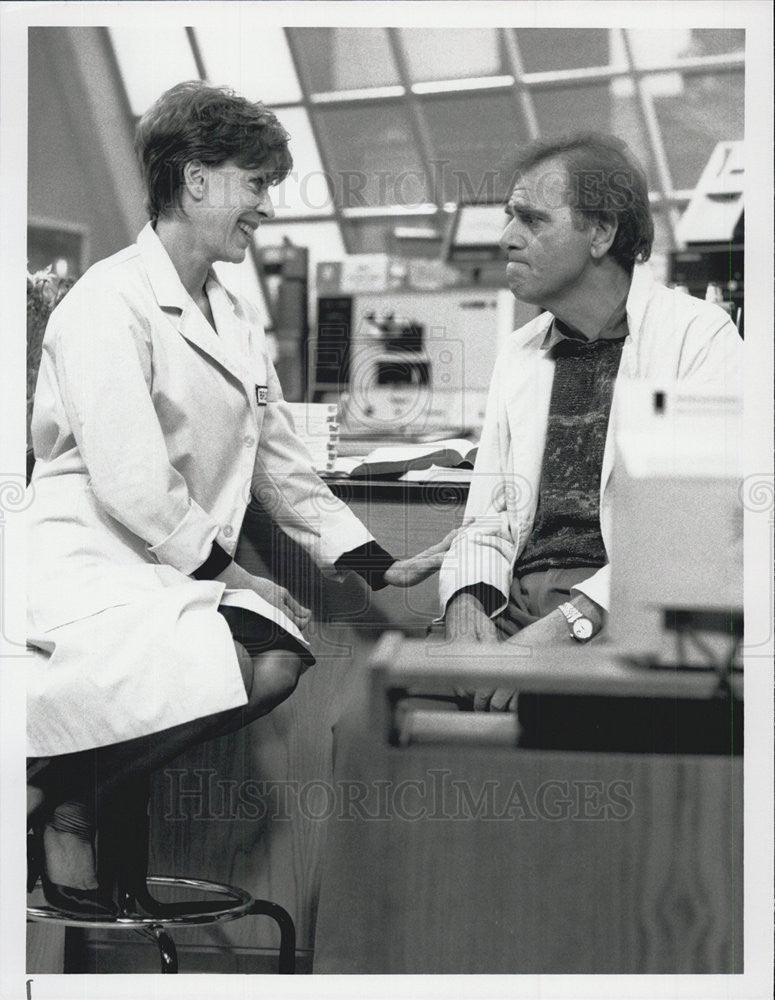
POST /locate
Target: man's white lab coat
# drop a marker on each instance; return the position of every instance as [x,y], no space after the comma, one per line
[672,337]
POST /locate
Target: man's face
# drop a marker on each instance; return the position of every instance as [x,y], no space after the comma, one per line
[548,254]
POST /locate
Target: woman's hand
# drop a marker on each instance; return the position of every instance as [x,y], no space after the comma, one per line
[415,569]
[236,577]
[282,599]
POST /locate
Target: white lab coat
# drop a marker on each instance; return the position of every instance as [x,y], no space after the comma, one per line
[672,337]
[150,435]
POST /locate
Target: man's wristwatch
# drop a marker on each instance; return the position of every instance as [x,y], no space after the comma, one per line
[581,628]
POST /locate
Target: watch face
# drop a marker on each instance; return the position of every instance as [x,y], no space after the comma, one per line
[582,628]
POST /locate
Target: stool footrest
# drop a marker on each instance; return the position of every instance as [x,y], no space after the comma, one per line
[238,903]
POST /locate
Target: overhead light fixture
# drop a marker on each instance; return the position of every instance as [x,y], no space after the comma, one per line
[415,233]
[470,83]
[362,94]
[386,211]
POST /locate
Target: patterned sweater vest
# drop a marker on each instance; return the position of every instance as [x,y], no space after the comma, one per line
[566,531]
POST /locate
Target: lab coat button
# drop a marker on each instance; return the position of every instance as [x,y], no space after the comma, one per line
[249,440]
[228,531]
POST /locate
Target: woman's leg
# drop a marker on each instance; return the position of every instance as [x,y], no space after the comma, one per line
[75,787]
[68,845]
[269,679]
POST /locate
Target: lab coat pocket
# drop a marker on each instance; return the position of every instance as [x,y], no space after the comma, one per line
[44,639]
[78,596]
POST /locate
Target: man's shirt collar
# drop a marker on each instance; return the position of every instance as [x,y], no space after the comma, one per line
[625,319]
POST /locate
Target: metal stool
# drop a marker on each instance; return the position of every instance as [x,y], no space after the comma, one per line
[237,903]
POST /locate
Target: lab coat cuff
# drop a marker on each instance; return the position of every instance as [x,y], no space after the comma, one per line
[596,587]
[214,564]
[190,544]
[469,565]
[488,596]
[369,561]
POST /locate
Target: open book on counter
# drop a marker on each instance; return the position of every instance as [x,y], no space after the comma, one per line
[409,461]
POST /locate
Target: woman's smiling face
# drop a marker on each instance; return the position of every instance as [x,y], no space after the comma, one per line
[235,201]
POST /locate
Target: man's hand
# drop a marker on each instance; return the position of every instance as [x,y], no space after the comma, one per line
[237,578]
[415,569]
[465,619]
[552,629]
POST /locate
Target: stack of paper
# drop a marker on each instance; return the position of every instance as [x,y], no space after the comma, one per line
[316,424]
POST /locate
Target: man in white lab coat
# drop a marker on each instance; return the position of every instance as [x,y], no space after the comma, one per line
[532,566]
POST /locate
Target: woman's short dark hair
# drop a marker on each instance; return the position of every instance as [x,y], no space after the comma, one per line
[196,121]
[605,183]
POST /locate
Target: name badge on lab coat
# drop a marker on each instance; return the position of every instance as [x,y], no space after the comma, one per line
[262,395]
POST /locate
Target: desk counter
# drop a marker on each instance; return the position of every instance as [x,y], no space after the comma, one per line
[254,809]
[470,857]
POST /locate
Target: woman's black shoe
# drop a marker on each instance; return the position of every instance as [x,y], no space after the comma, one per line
[84,904]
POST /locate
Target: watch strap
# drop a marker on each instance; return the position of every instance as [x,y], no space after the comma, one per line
[582,628]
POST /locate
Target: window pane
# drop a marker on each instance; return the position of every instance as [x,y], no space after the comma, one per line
[598,108]
[232,59]
[717,41]
[451,53]
[626,122]
[655,48]
[304,191]
[372,155]
[545,49]
[151,63]
[473,137]
[708,109]
[561,110]
[344,58]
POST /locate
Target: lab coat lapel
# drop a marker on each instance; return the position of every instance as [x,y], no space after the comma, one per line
[527,414]
[637,302]
[174,300]
[235,335]
[195,328]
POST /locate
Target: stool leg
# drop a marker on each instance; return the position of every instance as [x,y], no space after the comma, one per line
[167,950]
[287,961]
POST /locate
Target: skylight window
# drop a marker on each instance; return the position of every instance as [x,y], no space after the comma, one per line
[151,63]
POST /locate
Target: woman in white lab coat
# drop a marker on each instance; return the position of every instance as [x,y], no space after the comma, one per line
[158,415]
